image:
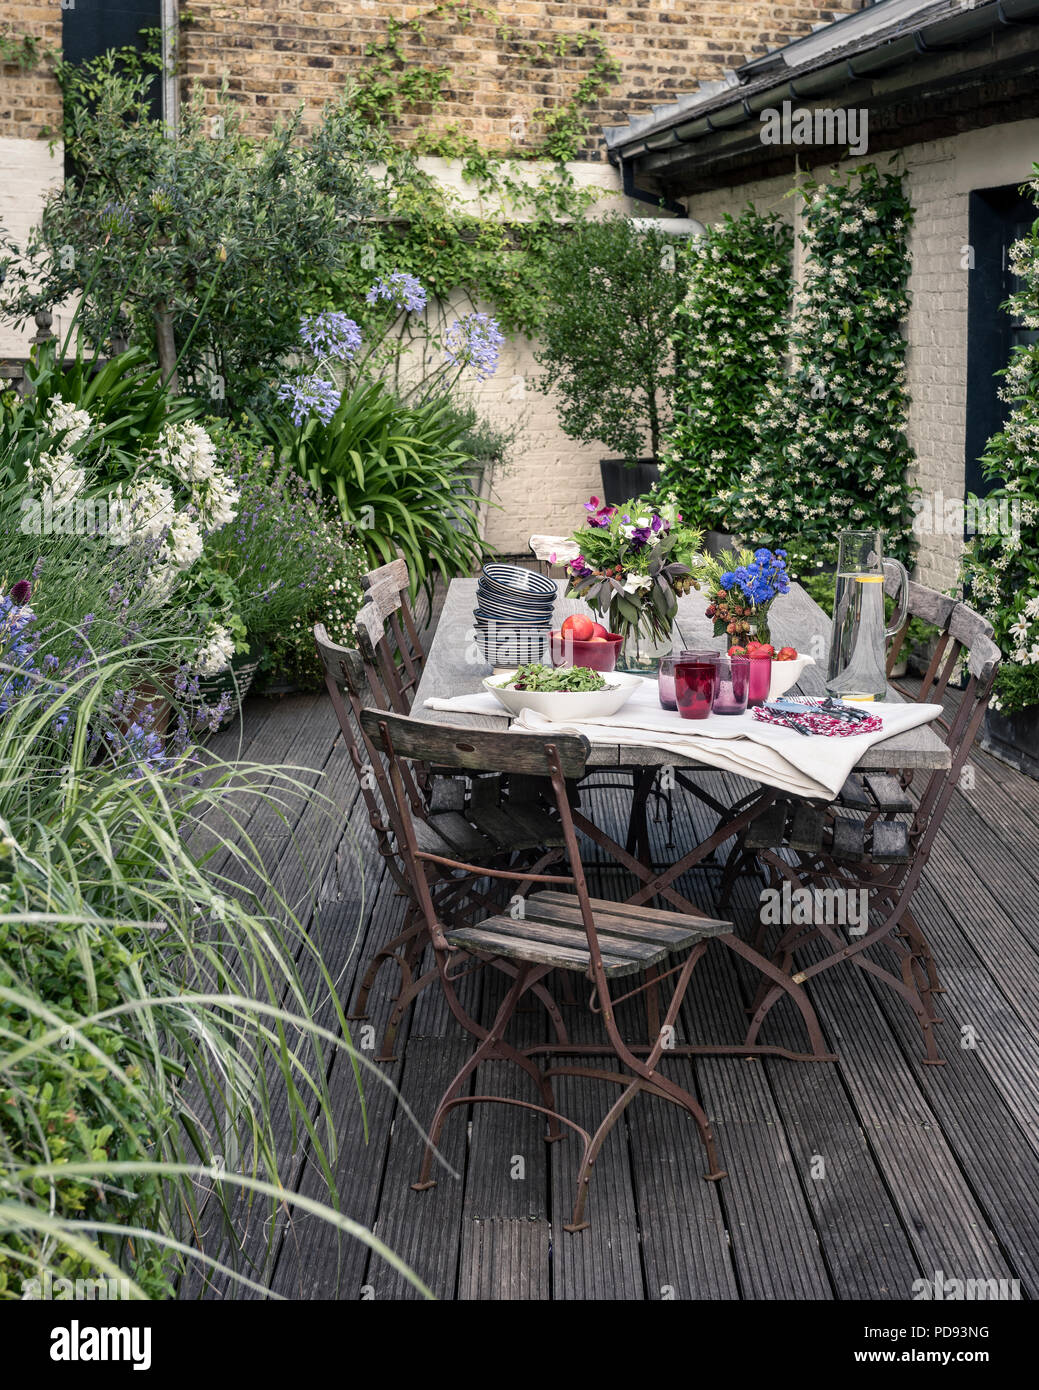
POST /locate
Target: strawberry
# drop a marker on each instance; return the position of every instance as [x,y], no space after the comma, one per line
[787,654]
[737,651]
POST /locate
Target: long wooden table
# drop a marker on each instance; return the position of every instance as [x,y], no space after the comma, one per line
[455,667]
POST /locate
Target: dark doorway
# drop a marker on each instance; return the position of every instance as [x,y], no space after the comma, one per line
[998,218]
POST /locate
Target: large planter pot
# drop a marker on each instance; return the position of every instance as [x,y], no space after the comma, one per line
[479,475]
[716,542]
[234,681]
[1014,738]
[621,481]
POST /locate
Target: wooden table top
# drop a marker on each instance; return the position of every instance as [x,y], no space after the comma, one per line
[454,666]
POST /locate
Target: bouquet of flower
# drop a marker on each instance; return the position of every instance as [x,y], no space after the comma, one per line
[742,585]
[634,564]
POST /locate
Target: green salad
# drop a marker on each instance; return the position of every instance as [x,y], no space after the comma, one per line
[546,678]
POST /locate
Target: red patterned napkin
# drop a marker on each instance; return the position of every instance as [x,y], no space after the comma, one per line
[819,722]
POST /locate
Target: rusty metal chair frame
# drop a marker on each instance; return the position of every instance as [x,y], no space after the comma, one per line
[964,645]
[352,686]
[564,757]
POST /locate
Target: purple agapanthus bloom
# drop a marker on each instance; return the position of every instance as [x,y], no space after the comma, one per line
[331,334]
[116,218]
[400,289]
[475,340]
[310,395]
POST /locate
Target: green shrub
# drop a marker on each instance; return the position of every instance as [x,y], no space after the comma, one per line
[396,473]
[1001,563]
[730,338]
[833,452]
[211,242]
[611,295]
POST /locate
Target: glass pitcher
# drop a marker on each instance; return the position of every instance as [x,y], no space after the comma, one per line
[858,643]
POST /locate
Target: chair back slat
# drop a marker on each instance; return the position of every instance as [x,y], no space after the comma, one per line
[478,750]
[346,679]
[389,587]
[964,648]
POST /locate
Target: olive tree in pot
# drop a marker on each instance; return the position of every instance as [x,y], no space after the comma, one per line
[611,292]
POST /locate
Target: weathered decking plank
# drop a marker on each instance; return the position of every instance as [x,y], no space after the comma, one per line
[925,1169]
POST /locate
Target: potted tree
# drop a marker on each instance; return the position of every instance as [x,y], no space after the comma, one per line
[611,292]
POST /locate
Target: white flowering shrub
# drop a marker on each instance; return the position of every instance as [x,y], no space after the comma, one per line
[730,340]
[1001,566]
[832,449]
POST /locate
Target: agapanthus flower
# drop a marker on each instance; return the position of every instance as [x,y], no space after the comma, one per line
[187,451]
[400,289]
[310,395]
[68,420]
[115,218]
[475,340]
[184,541]
[216,502]
[147,510]
[330,334]
[58,476]
[216,651]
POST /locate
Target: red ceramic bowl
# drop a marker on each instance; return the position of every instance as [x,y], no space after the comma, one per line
[600,656]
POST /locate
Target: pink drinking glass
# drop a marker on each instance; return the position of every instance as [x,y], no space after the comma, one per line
[666,682]
[700,657]
[760,679]
[695,684]
[734,676]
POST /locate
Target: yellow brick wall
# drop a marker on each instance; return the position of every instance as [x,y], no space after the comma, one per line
[276,56]
[29,101]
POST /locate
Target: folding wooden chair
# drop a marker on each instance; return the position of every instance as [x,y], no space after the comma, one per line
[450,819]
[876,837]
[601,940]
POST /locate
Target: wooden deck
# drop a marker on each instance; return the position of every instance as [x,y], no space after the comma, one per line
[846,1181]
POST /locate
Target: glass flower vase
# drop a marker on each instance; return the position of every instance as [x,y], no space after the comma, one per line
[759,627]
[642,648]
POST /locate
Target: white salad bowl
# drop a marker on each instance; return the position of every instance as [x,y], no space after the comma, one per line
[786,674]
[563,706]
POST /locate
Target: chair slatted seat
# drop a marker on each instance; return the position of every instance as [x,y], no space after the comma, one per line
[854,795]
[888,792]
[890,842]
[551,931]
[769,828]
[806,830]
[849,839]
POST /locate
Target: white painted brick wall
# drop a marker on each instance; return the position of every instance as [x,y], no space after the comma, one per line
[28,171]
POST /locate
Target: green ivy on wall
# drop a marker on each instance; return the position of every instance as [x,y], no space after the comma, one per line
[492,253]
[730,340]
